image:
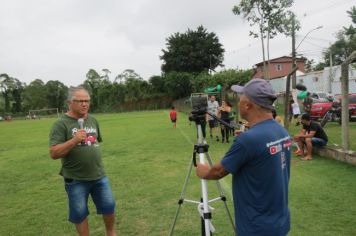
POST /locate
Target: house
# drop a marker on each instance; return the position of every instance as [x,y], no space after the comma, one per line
[279,67]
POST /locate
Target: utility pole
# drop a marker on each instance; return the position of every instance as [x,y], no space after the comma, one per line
[330,74]
[294,79]
[345,102]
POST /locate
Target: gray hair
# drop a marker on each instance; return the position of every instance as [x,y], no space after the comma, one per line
[73,90]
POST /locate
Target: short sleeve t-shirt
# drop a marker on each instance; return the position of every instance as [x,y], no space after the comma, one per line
[213,108]
[308,101]
[259,161]
[173,115]
[319,131]
[295,109]
[83,162]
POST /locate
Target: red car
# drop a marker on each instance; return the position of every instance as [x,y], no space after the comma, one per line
[319,109]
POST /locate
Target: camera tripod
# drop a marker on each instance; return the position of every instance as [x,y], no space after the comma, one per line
[203,205]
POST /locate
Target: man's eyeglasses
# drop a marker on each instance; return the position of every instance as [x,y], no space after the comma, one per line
[81,101]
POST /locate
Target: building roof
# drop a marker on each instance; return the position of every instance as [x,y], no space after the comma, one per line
[283,59]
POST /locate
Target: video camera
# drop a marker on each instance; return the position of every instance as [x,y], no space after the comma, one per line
[199,107]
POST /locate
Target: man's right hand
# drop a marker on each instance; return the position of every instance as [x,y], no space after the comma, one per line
[80,136]
[60,150]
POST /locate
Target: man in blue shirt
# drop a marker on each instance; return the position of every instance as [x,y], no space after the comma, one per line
[259,160]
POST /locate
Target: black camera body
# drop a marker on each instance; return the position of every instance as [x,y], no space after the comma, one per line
[199,107]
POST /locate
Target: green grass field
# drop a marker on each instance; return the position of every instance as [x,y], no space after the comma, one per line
[147,161]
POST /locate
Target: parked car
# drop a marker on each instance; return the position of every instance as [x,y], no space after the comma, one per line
[321,97]
[319,109]
[8,117]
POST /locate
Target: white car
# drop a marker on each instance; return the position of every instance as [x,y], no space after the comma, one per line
[320,97]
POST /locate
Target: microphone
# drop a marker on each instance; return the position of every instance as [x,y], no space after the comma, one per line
[81,125]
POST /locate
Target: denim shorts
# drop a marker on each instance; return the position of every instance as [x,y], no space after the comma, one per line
[318,142]
[78,193]
[213,124]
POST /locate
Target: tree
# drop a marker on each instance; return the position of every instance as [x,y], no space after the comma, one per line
[106,73]
[345,43]
[16,92]
[309,65]
[92,83]
[5,88]
[177,84]
[106,95]
[127,74]
[225,78]
[35,95]
[136,89]
[271,17]
[157,85]
[229,77]
[118,93]
[56,93]
[11,90]
[192,51]
[201,82]
[320,66]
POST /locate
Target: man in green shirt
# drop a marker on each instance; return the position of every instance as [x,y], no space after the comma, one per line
[74,138]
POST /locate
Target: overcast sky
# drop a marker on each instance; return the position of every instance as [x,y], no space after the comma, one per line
[63,39]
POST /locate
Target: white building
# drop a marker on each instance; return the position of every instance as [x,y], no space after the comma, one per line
[327,81]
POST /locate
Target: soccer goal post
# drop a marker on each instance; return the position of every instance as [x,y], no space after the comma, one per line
[41,113]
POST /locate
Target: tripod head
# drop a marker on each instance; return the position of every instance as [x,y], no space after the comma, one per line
[197,116]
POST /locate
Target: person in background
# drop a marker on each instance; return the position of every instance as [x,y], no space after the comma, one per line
[311,135]
[296,112]
[307,103]
[233,121]
[276,117]
[213,107]
[173,116]
[74,139]
[224,112]
[290,110]
[259,160]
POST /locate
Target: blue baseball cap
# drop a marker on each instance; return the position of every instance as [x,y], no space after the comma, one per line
[259,91]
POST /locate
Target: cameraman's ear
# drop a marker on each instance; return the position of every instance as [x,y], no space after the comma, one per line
[249,105]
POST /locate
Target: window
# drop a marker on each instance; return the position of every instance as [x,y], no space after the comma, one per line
[278,67]
[352,99]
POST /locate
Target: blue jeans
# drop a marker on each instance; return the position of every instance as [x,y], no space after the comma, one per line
[78,193]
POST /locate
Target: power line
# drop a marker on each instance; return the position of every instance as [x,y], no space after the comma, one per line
[320,39]
[313,44]
[311,51]
[319,10]
[243,48]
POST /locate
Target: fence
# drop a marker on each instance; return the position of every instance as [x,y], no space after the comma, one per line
[145,104]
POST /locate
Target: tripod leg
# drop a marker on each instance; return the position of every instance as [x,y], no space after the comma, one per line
[222,195]
[204,191]
[182,195]
[204,186]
